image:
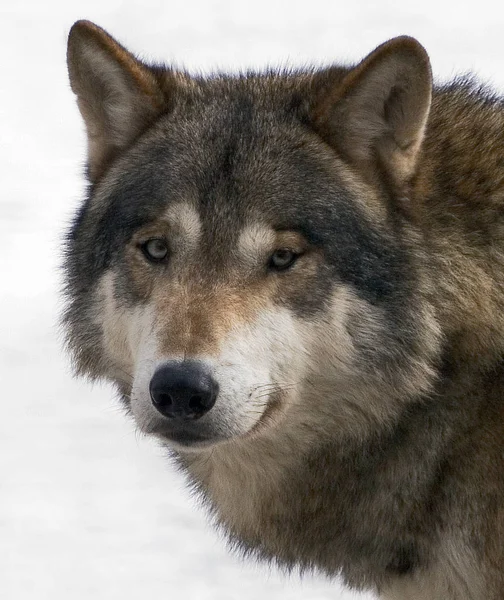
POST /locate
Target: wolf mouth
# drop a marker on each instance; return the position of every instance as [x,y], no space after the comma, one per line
[196,435]
[184,437]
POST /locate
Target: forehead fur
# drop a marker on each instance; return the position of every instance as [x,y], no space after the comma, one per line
[254,238]
[235,152]
[185,222]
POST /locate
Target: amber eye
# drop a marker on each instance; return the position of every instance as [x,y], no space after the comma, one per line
[155,249]
[282,259]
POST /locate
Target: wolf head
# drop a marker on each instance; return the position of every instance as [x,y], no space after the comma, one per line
[248,248]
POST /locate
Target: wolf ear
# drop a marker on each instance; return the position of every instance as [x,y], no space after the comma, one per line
[379,110]
[118,96]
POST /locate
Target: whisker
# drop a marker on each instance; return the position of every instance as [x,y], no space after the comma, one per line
[271,392]
[265,386]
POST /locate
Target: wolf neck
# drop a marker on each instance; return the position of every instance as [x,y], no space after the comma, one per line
[358,508]
[467,294]
[460,192]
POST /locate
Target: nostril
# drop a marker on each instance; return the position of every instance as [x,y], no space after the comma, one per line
[197,403]
[162,399]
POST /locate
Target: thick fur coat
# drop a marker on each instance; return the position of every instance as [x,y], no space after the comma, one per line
[322,252]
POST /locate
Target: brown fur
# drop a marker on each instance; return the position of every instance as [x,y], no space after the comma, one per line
[383,461]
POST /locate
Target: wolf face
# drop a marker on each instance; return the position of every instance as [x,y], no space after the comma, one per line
[238,259]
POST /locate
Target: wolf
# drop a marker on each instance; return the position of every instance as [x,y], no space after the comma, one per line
[295,280]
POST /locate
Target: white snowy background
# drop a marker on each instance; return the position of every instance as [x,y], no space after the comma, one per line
[87,509]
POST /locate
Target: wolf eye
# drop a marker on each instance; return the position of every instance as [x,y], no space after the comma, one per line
[282,259]
[155,249]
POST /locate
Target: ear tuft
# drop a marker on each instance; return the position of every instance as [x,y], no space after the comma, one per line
[118,95]
[379,111]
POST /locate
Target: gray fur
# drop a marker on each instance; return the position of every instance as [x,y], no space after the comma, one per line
[360,425]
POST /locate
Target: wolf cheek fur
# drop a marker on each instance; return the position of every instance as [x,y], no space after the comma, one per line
[358,425]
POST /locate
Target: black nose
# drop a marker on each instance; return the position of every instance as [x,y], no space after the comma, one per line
[183,390]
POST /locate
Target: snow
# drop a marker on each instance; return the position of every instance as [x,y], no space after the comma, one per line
[87,509]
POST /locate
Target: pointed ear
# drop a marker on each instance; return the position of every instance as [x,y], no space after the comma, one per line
[378,113]
[118,96]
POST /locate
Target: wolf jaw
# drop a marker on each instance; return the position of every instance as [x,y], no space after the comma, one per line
[345,379]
